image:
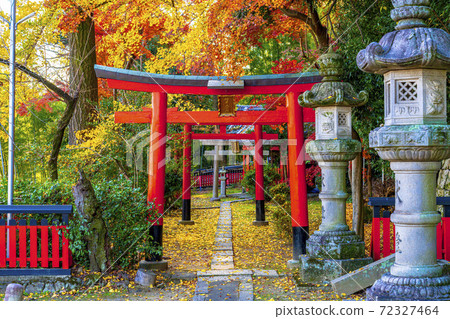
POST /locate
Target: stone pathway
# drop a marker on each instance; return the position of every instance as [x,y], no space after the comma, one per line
[223,282]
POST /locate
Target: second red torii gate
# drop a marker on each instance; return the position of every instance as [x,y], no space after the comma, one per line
[258,136]
[161,85]
[207,117]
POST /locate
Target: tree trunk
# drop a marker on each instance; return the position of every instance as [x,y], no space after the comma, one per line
[317,27]
[97,238]
[311,19]
[443,184]
[369,180]
[58,138]
[82,61]
[357,196]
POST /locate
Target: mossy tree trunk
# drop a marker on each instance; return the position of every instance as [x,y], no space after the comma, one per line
[97,235]
[82,73]
[357,192]
[443,184]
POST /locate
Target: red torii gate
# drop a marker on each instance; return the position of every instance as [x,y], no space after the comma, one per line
[187,154]
[159,115]
[210,117]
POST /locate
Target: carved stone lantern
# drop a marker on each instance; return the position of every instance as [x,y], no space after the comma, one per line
[414,60]
[333,250]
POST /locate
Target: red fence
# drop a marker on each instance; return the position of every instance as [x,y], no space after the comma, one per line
[205,178]
[28,247]
[382,242]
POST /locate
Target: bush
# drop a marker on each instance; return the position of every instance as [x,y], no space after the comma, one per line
[281,212]
[280,193]
[126,214]
[174,185]
[124,209]
[271,176]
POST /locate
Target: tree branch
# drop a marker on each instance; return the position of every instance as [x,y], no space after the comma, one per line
[63,122]
[330,9]
[295,14]
[49,85]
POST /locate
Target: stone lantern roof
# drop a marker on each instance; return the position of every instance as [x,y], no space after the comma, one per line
[412,46]
[332,91]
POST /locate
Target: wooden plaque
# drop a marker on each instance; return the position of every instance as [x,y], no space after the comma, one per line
[227,107]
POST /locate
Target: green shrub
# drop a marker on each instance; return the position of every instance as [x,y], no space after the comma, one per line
[174,185]
[126,214]
[271,177]
[124,209]
[281,210]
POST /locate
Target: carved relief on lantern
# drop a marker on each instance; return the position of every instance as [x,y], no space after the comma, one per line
[333,122]
[415,97]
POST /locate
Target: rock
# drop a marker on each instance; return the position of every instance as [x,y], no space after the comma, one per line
[34,287]
[49,287]
[59,285]
[14,292]
[145,278]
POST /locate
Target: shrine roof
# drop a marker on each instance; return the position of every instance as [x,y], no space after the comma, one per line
[111,73]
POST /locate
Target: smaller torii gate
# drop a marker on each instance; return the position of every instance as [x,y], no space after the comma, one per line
[291,85]
[258,136]
[177,117]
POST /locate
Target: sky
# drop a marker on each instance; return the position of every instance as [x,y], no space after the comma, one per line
[5,5]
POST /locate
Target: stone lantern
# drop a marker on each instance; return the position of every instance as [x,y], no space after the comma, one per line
[333,250]
[414,60]
[223,182]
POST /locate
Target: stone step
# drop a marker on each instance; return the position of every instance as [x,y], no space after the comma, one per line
[223,253]
[221,259]
[232,272]
[270,273]
[221,266]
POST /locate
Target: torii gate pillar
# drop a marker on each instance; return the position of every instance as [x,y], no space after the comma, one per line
[157,168]
[259,178]
[187,157]
[297,179]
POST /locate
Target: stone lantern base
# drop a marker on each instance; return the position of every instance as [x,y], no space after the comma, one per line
[331,254]
[391,287]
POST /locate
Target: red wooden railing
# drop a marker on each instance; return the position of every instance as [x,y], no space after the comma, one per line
[32,247]
[206,179]
[382,242]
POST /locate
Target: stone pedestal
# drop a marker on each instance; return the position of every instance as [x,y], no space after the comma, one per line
[153,265]
[333,250]
[14,292]
[146,278]
[331,254]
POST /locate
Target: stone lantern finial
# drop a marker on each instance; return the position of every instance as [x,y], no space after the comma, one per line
[333,98]
[410,13]
[412,46]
